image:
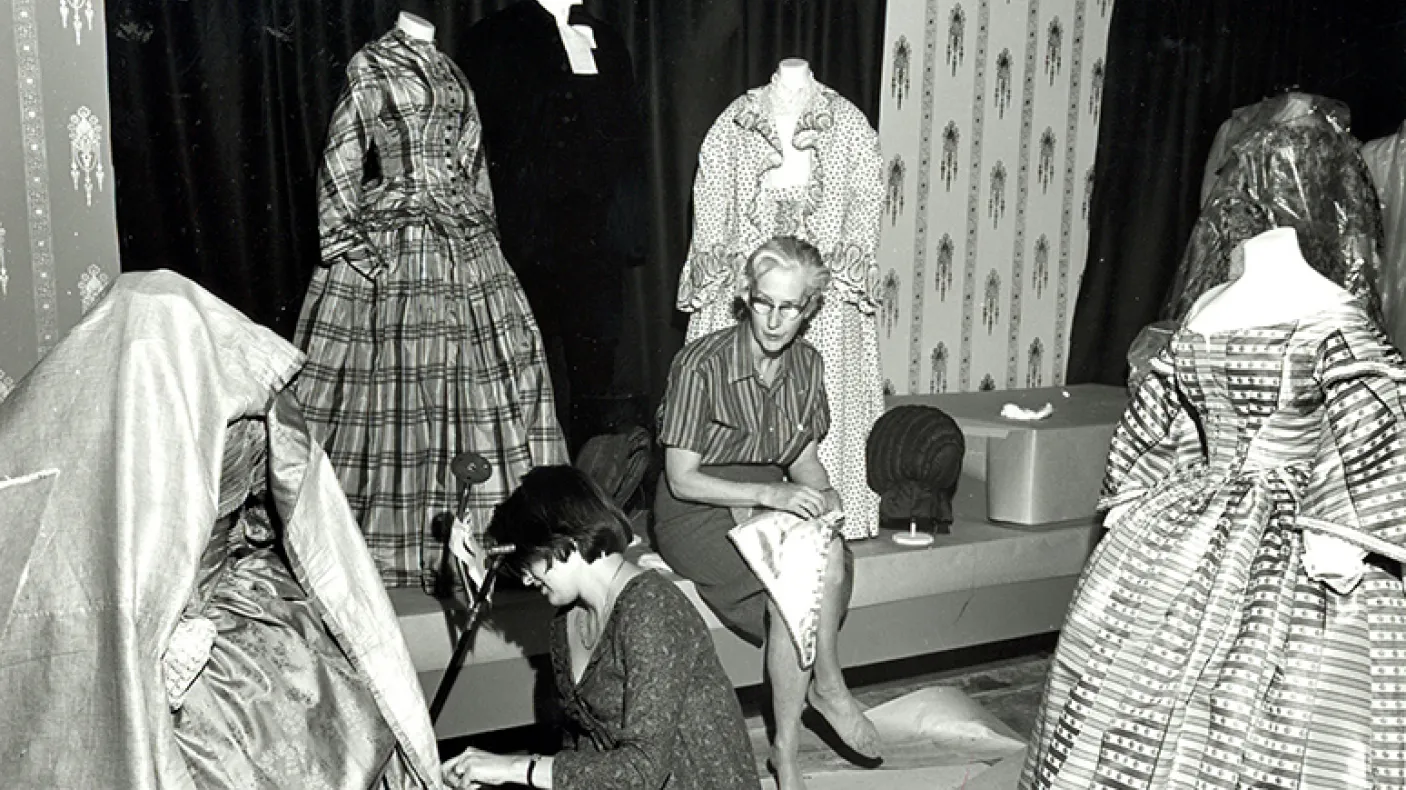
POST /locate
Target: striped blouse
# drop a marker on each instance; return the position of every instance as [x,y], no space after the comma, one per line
[716,406]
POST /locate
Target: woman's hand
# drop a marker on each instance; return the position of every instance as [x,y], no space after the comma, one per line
[803,501]
[474,768]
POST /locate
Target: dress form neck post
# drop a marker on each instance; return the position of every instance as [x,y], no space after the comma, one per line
[793,84]
[417,27]
[793,74]
[1274,255]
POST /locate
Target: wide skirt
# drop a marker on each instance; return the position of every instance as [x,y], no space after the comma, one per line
[436,355]
[1198,653]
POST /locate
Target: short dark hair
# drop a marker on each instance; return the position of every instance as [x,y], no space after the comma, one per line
[554,511]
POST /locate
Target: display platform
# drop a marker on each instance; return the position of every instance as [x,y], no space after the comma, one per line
[1041,471]
[982,583]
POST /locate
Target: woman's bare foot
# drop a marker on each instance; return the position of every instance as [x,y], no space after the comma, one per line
[787,770]
[843,713]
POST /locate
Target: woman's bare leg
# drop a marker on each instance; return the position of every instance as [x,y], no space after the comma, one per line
[828,694]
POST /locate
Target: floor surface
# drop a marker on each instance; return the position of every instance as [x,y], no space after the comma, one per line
[1007,679]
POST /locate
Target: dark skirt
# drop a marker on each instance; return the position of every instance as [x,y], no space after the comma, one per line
[692,538]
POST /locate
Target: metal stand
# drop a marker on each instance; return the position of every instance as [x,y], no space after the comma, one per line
[464,642]
[469,469]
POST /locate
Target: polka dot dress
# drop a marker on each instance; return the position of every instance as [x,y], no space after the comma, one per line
[838,211]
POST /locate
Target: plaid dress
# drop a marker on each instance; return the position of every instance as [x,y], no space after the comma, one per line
[420,342]
[1198,651]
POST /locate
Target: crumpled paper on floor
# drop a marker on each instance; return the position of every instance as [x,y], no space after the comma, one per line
[941,726]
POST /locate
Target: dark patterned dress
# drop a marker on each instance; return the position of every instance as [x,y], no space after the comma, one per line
[654,709]
[420,342]
[1198,652]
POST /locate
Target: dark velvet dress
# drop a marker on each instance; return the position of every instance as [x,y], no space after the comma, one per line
[653,708]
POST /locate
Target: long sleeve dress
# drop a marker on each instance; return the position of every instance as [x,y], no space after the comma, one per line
[1198,651]
[420,342]
[653,708]
[838,211]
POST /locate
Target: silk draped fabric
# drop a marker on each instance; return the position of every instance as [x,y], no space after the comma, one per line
[1287,162]
[125,423]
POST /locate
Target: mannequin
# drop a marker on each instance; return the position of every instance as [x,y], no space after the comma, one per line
[1271,283]
[415,26]
[414,317]
[562,127]
[794,158]
[793,87]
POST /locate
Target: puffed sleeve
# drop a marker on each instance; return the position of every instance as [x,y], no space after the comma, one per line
[1156,435]
[344,158]
[854,262]
[654,648]
[1357,492]
[712,261]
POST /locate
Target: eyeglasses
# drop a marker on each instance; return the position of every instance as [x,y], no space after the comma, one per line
[531,578]
[763,306]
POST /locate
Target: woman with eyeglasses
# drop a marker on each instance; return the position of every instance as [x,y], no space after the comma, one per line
[741,422]
[647,701]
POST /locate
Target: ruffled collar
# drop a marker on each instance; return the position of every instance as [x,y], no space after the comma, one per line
[757,116]
[757,112]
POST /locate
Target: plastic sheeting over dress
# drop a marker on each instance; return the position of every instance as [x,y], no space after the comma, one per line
[112,488]
[1199,651]
[1386,160]
[1287,162]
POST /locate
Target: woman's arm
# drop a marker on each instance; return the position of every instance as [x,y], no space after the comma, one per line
[688,482]
[808,471]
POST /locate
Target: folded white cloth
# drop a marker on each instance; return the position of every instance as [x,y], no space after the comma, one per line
[1333,561]
[789,555]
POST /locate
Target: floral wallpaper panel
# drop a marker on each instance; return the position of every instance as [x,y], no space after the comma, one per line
[989,123]
[58,220]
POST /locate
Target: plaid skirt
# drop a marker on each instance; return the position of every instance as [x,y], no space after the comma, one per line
[433,355]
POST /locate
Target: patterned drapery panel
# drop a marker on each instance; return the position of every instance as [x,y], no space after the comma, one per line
[988,124]
[58,220]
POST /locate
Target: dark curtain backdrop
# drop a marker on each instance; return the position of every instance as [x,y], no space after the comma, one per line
[220,110]
[1175,71]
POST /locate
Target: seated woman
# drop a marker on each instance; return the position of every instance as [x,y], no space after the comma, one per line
[743,416]
[643,690]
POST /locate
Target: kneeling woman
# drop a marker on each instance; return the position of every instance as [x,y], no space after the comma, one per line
[635,668]
[742,420]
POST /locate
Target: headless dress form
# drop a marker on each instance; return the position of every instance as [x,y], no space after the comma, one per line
[1276,285]
[562,130]
[577,40]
